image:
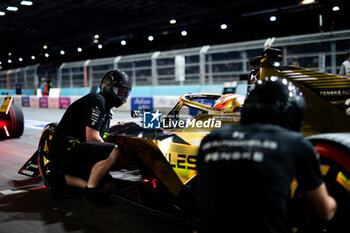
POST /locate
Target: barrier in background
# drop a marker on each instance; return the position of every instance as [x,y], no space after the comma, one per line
[159,97]
[133,103]
[144,91]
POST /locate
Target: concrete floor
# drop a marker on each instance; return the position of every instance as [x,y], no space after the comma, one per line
[26,206]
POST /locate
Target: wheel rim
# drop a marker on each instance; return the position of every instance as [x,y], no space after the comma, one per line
[337,180]
[44,158]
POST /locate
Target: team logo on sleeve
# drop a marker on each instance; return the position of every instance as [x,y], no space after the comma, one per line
[152,120]
[95,115]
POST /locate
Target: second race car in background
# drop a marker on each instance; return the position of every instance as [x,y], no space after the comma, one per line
[11,119]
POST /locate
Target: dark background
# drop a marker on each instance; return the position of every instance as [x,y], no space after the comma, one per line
[69,24]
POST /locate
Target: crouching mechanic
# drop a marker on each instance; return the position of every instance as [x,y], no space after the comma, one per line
[245,170]
[78,150]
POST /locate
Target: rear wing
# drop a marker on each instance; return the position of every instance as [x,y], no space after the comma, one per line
[327,96]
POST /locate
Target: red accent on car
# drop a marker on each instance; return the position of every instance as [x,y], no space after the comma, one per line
[9,106]
[153,183]
[335,154]
[38,188]
[2,124]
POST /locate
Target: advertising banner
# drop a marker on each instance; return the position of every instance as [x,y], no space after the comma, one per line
[43,102]
[53,102]
[34,101]
[138,103]
[17,99]
[25,101]
[64,102]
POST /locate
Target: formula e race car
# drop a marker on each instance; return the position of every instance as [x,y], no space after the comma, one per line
[165,148]
[165,156]
[11,119]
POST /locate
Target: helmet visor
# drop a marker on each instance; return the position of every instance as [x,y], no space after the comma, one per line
[122,92]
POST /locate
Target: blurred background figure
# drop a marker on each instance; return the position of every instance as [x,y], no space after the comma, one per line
[45,86]
[18,86]
[345,66]
[295,63]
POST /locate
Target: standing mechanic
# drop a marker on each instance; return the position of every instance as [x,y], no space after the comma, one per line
[78,150]
[345,66]
[245,170]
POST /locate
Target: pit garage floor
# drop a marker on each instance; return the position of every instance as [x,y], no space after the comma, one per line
[26,205]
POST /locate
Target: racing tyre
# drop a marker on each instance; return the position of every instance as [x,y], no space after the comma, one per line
[44,158]
[335,169]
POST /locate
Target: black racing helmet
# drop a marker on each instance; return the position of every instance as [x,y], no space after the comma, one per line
[275,101]
[115,86]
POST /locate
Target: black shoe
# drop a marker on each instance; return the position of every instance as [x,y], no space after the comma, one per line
[56,184]
[92,195]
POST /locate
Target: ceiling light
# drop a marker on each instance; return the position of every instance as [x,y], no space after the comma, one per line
[304,2]
[123,42]
[2,13]
[150,38]
[96,36]
[26,3]
[45,46]
[336,8]
[273,18]
[20,59]
[99,46]
[9,61]
[32,57]
[46,55]
[223,26]
[184,33]
[62,52]
[12,8]
[172,21]
[79,50]
[276,63]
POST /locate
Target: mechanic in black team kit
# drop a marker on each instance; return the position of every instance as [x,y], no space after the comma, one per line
[78,150]
[245,170]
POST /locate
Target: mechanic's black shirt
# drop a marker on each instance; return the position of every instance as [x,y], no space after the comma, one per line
[245,172]
[90,110]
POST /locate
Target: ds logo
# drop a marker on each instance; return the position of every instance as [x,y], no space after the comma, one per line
[151,120]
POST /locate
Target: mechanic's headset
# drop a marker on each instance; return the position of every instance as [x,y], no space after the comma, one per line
[115,86]
[275,101]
